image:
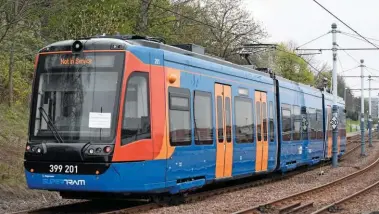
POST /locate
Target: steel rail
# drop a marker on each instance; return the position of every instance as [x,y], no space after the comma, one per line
[295,195]
[343,200]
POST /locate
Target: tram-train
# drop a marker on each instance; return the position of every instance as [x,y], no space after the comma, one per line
[132,115]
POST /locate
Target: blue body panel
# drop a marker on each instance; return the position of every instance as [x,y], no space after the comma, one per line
[120,177]
[199,161]
[295,153]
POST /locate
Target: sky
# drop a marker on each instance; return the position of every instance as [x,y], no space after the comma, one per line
[301,21]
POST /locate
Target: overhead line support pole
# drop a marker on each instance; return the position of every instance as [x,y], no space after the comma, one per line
[363,152]
[334,121]
[369,112]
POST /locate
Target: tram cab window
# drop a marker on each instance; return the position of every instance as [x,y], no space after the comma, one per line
[136,124]
[179,116]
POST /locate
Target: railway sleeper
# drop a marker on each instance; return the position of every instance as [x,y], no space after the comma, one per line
[288,207]
[301,208]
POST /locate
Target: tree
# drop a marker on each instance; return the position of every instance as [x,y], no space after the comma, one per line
[228,26]
[17,15]
[292,67]
[15,12]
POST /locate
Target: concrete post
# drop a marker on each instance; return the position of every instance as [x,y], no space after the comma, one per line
[334,120]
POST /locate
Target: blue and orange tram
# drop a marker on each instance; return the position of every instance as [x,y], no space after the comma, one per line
[132,115]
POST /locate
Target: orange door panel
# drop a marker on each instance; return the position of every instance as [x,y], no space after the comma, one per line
[329,114]
[228,131]
[223,109]
[220,132]
[261,157]
[258,116]
[265,134]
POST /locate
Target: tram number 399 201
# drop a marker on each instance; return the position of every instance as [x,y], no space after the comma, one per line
[71,169]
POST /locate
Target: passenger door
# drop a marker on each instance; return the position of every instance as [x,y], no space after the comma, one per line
[261,162]
[329,132]
[224,147]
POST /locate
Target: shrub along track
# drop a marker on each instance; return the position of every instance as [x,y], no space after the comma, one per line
[124,206]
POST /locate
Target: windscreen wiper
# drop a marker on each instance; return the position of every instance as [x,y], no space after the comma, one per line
[51,126]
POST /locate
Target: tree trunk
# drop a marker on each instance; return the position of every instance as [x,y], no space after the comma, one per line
[11,67]
[143,17]
[45,32]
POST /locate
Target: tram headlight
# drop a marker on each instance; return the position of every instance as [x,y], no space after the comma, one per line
[91,151]
[98,150]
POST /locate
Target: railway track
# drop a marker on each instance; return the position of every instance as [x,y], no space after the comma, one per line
[115,207]
[338,205]
[308,202]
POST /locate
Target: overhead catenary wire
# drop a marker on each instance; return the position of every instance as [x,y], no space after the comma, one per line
[346,24]
[214,27]
[355,36]
[372,69]
[313,40]
[353,58]
[350,69]
[300,58]
[190,18]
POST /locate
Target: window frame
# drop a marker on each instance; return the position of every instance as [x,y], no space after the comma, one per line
[247,99]
[265,119]
[205,94]
[220,115]
[147,77]
[319,121]
[271,133]
[181,93]
[259,120]
[312,123]
[228,133]
[296,118]
[286,107]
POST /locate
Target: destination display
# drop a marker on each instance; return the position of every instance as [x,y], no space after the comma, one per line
[92,60]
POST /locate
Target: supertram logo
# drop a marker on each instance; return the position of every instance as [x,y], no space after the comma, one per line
[68,182]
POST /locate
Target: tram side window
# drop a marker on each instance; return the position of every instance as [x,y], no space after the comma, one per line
[228,118]
[259,121]
[136,121]
[271,122]
[312,123]
[244,120]
[342,122]
[220,124]
[264,115]
[319,119]
[203,118]
[286,122]
[180,122]
[296,117]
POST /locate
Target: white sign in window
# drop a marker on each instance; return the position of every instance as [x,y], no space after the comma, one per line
[99,120]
